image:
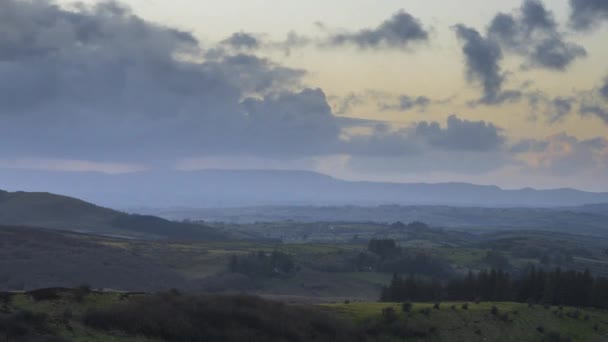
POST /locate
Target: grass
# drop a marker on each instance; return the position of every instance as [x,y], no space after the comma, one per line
[477,323]
[64,316]
[451,322]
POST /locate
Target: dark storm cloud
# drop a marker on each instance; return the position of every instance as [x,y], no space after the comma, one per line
[533,33]
[482,57]
[99,82]
[300,123]
[242,40]
[398,32]
[587,14]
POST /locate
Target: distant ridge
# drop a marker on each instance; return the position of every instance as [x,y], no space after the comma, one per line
[235,188]
[46,210]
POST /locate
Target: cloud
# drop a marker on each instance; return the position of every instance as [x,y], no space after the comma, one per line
[563,155]
[533,33]
[595,102]
[242,41]
[604,89]
[398,32]
[588,14]
[461,135]
[99,83]
[561,108]
[458,135]
[483,58]
[291,123]
[71,165]
[407,103]
[590,109]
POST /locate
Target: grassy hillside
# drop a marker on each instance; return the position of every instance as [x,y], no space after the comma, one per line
[80,315]
[33,258]
[479,322]
[65,213]
[84,315]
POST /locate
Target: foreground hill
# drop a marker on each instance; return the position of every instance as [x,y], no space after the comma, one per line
[32,258]
[83,315]
[225,188]
[65,213]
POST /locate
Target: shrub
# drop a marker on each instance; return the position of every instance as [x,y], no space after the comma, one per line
[81,292]
[389,314]
[540,329]
[426,311]
[220,318]
[437,306]
[505,317]
[465,306]
[45,294]
[575,314]
[494,310]
[407,306]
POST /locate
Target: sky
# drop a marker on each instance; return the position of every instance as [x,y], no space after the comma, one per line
[512,93]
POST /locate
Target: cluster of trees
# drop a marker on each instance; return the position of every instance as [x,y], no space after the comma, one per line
[533,286]
[262,264]
[384,255]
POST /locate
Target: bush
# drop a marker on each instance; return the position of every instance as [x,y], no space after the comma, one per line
[437,306]
[220,318]
[505,317]
[407,306]
[426,311]
[465,306]
[81,292]
[45,294]
[389,314]
[494,310]
[575,314]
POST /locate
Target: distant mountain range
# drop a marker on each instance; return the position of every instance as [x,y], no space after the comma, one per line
[221,188]
[45,210]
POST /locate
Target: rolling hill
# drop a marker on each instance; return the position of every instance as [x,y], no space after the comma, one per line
[37,209]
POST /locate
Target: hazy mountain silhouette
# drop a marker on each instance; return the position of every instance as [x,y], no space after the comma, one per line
[221,188]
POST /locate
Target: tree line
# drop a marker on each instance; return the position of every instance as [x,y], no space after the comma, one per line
[557,287]
[262,264]
[385,255]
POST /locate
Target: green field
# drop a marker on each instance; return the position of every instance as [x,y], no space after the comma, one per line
[477,323]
